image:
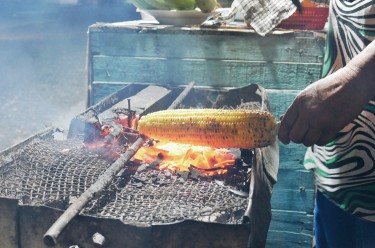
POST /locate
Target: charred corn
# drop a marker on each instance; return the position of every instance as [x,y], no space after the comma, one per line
[220,128]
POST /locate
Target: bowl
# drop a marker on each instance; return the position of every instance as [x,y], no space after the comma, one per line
[179,17]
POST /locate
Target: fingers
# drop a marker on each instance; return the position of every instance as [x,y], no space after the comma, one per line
[325,138]
[286,124]
[298,131]
[305,127]
[312,136]
[295,127]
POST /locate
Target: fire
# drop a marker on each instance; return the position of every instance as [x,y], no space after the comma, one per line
[111,134]
[207,160]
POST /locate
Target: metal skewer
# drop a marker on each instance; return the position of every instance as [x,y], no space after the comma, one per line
[182,96]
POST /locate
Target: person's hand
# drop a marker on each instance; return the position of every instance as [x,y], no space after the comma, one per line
[325,107]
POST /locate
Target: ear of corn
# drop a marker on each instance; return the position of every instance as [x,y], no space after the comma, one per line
[207,6]
[220,128]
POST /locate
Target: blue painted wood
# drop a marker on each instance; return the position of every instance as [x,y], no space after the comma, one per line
[280,99]
[221,73]
[291,156]
[197,43]
[100,90]
[282,239]
[292,222]
[294,179]
[290,229]
[293,200]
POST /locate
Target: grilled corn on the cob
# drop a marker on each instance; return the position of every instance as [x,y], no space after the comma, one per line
[220,128]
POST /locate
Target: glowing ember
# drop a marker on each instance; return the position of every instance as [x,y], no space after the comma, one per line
[181,157]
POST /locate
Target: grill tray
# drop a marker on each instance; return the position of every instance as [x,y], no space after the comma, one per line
[54,172]
[40,177]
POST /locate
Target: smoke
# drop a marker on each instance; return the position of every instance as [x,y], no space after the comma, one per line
[42,61]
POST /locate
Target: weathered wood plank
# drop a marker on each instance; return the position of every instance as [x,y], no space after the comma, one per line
[144,99]
[212,44]
[282,239]
[292,156]
[220,73]
[292,221]
[293,200]
[100,90]
[280,99]
[295,179]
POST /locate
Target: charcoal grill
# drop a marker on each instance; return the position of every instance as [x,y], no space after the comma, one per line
[42,176]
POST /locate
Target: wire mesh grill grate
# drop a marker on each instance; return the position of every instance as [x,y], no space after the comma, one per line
[50,172]
[56,172]
[152,197]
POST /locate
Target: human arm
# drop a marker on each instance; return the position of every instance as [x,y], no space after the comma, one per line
[326,106]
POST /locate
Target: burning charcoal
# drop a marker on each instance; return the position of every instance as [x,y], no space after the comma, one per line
[157,161]
[195,174]
[238,178]
[167,174]
[163,182]
[160,180]
[181,180]
[161,176]
[220,183]
[138,184]
[183,174]
[137,179]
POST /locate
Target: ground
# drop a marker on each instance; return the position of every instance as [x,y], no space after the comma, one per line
[42,62]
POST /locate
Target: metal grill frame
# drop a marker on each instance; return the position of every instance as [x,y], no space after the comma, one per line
[38,218]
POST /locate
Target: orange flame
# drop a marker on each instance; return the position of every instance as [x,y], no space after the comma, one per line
[207,160]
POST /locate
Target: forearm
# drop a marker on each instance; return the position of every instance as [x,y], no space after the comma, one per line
[363,67]
[326,106]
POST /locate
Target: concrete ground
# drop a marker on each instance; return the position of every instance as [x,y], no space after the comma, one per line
[42,62]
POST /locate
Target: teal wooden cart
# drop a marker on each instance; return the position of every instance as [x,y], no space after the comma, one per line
[283,62]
